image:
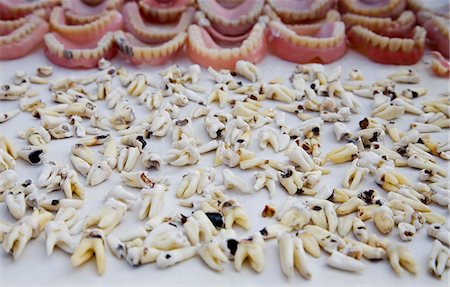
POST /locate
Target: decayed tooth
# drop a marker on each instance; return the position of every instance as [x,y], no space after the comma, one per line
[13,92]
[323,213]
[232,181]
[233,213]
[127,158]
[4,117]
[421,163]
[138,179]
[57,234]
[219,94]
[350,206]
[151,160]
[59,204]
[92,243]
[292,254]
[84,109]
[134,140]
[291,180]
[278,92]
[369,252]
[341,131]
[170,258]
[439,232]
[341,261]
[200,228]
[360,230]
[407,231]
[399,257]
[33,155]
[438,259]
[355,75]
[405,77]
[44,71]
[264,179]
[274,230]
[98,173]
[425,128]
[342,154]
[213,256]
[247,70]
[137,85]
[152,201]
[96,140]
[293,214]
[109,216]
[253,250]
[328,241]
[15,201]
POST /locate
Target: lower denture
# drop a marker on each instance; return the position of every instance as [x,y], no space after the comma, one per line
[89,32]
[20,37]
[440,65]
[438,31]
[373,8]
[154,32]
[79,12]
[385,50]
[68,54]
[164,11]
[296,11]
[305,43]
[382,25]
[13,9]
[138,52]
[203,50]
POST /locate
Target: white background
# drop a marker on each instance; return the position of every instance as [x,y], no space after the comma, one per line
[36,268]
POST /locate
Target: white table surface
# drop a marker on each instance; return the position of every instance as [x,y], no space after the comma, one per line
[36,268]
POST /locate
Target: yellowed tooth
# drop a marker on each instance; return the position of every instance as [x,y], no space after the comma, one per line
[394,44]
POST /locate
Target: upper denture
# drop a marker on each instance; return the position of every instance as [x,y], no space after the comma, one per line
[374,8]
[13,9]
[164,11]
[296,11]
[438,30]
[92,31]
[154,32]
[79,12]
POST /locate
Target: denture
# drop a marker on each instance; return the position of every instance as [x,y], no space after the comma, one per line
[293,11]
[385,50]
[230,22]
[304,43]
[383,25]
[20,37]
[373,8]
[150,32]
[13,9]
[86,32]
[83,11]
[162,10]
[437,31]
[202,49]
[68,54]
[138,52]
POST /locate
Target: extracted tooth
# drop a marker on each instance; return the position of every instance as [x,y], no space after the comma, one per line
[425,128]
[345,225]
[439,232]
[328,241]
[109,216]
[213,256]
[80,165]
[6,161]
[421,163]
[278,92]
[291,180]
[252,249]
[6,116]
[293,214]
[15,201]
[407,231]
[390,179]
[32,154]
[399,257]
[134,140]
[342,154]
[8,180]
[181,157]
[350,206]
[70,184]
[57,234]
[152,201]
[200,227]
[92,244]
[82,108]
[166,236]
[120,194]
[355,75]
[247,70]
[151,160]
[341,261]
[310,243]
[383,218]
[405,77]
[232,181]
[292,254]
[219,94]
[438,259]
[16,239]
[137,85]
[98,173]
[110,154]
[169,258]
[323,213]
[57,204]
[44,71]
[96,140]
[37,136]
[360,230]
[83,152]
[7,146]
[341,131]
[354,176]
[127,159]
[264,179]
[137,179]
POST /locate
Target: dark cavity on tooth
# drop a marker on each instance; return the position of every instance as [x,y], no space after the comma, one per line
[232,245]
[216,219]
[35,156]
[67,54]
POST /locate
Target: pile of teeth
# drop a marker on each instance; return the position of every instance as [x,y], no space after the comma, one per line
[313,217]
[220,33]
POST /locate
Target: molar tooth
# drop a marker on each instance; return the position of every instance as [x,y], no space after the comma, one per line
[251,249]
[33,155]
[399,257]
[57,234]
[152,201]
[109,216]
[232,181]
[213,256]
[92,243]
[15,202]
[438,259]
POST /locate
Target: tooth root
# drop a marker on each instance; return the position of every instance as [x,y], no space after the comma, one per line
[92,244]
[286,252]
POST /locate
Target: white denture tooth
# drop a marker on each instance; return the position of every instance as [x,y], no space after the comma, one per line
[438,259]
[253,250]
[232,181]
[33,155]
[341,261]
[92,244]
[247,70]
[169,258]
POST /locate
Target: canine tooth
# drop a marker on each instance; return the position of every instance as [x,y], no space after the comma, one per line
[92,243]
[344,262]
[170,258]
[15,202]
[33,155]
[232,181]
[438,259]
[439,232]
[399,257]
